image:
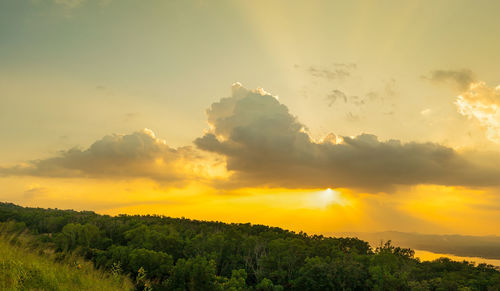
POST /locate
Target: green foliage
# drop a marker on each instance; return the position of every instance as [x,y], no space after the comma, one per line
[267,285]
[161,253]
[75,235]
[316,274]
[156,264]
[391,267]
[237,281]
[193,274]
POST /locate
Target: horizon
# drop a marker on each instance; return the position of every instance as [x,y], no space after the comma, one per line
[473,250]
[332,234]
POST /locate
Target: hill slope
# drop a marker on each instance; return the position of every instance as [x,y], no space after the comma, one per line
[21,269]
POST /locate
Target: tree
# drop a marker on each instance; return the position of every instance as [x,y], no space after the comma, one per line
[237,281]
[267,285]
[193,274]
[315,275]
[156,264]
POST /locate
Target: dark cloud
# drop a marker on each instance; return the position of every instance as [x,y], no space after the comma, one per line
[265,145]
[139,154]
[461,78]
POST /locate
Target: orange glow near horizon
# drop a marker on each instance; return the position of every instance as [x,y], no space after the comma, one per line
[426,209]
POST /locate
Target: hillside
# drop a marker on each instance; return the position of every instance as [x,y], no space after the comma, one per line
[24,269]
[181,254]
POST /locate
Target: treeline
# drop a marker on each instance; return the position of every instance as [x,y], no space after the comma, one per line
[162,253]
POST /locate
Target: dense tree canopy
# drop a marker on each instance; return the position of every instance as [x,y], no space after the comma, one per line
[165,253]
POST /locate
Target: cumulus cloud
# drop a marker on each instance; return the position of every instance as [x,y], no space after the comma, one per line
[460,78]
[140,154]
[265,145]
[482,103]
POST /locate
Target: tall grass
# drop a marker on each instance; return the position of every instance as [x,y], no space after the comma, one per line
[22,268]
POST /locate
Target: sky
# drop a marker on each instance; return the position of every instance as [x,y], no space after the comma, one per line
[315,116]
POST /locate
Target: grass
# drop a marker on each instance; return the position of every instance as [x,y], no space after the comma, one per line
[22,268]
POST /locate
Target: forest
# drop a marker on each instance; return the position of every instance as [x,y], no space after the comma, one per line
[163,253]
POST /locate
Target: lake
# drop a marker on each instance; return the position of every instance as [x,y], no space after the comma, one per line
[429,256]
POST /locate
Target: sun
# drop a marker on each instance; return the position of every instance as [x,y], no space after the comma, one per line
[324,198]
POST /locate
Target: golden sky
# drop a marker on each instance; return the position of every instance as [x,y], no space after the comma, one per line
[320,116]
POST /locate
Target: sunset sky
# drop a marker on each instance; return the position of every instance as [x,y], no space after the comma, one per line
[320,116]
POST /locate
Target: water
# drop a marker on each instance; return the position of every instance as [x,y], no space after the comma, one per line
[429,256]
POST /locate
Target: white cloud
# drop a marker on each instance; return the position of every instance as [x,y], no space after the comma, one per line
[482,103]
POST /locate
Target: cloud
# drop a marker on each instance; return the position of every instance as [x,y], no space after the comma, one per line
[482,103]
[334,95]
[337,71]
[265,145]
[388,91]
[140,154]
[477,101]
[461,78]
[344,82]
[352,117]
[357,101]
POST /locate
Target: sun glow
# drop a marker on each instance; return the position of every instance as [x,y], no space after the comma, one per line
[323,199]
